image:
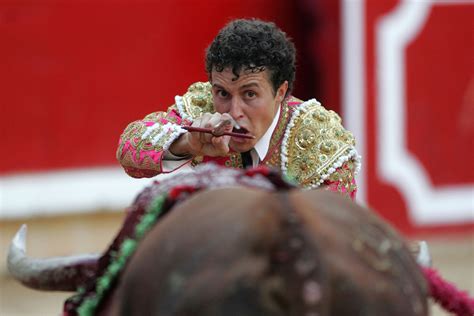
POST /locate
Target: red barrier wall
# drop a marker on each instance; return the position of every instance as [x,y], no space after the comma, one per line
[419,114]
[74,73]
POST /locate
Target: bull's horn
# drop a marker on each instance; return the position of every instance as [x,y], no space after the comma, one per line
[52,274]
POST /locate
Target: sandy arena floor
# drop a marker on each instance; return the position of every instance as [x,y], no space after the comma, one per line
[453,256]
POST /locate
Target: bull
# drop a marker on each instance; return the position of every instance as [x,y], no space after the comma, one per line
[228,242]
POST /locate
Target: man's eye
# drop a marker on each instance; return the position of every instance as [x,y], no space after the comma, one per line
[250,94]
[222,93]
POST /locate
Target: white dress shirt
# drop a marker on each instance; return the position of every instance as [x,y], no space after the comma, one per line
[261,148]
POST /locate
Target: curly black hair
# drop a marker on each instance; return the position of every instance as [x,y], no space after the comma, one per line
[253,45]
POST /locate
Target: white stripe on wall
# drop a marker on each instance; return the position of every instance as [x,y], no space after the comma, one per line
[67,191]
[353,80]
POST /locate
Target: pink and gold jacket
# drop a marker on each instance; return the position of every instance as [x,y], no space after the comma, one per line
[308,145]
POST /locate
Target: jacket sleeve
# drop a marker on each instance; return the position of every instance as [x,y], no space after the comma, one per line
[143,143]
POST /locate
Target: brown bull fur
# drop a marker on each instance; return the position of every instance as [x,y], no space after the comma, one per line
[241,251]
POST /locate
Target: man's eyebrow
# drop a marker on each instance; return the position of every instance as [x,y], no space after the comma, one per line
[218,86]
[245,86]
[248,85]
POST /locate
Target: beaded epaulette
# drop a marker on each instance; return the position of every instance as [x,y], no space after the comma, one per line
[315,144]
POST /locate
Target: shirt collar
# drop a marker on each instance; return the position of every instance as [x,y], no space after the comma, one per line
[263,144]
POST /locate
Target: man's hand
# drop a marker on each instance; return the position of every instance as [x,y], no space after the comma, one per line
[204,144]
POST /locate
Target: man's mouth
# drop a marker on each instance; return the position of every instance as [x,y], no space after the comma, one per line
[240,130]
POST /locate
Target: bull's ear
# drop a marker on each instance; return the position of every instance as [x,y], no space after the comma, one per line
[51,274]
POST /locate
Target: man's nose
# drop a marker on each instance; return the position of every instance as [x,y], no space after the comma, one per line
[236,108]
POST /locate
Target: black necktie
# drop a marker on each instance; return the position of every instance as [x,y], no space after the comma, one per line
[246,159]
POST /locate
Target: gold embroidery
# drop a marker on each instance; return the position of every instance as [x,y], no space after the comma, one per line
[280,128]
[316,142]
[236,160]
[133,135]
[197,160]
[344,177]
[273,158]
[155,116]
[198,100]
[274,150]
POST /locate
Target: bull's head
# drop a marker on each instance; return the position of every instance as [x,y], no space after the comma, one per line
[253,249]
[237,251]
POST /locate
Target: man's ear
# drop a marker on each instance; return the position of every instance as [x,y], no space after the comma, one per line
[281,92]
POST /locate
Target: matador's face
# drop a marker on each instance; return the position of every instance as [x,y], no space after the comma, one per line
[250,100]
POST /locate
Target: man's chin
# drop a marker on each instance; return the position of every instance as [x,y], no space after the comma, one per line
[241,147]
